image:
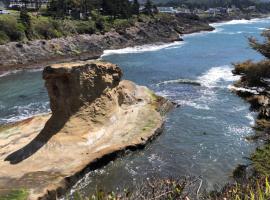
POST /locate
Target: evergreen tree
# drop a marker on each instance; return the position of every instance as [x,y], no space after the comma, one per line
[148,7]
[135,7]
[25,19]
[125,9]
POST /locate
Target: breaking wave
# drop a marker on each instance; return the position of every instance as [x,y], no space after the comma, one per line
[18,113]
[7,73]
[241,21]
[144,48]
[201,33]
[217,75]
[180,81]
[241,89]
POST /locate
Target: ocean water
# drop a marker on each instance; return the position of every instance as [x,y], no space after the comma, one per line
[203,138]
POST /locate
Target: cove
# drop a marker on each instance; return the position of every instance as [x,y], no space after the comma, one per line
[204,138]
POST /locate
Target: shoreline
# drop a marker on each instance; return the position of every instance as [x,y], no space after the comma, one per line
[41,63]
[41,53]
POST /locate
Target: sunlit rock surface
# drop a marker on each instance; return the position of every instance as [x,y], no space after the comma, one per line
[94,114]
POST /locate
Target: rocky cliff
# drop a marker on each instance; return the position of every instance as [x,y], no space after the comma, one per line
[94,117]
[82,47]
[259,98]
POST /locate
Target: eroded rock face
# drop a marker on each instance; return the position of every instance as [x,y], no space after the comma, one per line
[71,87]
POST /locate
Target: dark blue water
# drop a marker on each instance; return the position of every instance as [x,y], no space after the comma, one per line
[204,138]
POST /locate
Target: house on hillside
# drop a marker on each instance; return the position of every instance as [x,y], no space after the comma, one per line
[233,9]
[251,8]
[31,4]
[216,11]
[4,12]
[183,10]
[167,10]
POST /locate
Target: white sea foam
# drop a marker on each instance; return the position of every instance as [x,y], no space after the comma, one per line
[241,21]
[217,74]
[25,112]
[9,73]
[166,93]
[180,81]
[239,130]
[144,48]
[201,33]
[240,89]
[193,104]
[251,118]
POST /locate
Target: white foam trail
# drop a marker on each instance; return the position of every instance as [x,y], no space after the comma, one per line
[166,93]
[202,33]
[144,48]
[240,89]
[241,21]
[180,81]
[217,74]
[9,73]
[193,104]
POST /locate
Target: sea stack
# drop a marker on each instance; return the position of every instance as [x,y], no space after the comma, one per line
[94,114]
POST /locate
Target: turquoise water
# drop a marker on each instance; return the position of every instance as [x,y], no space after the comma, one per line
[204,138]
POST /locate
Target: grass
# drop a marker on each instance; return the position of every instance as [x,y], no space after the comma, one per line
[261,160]
[19,194]
[254,189]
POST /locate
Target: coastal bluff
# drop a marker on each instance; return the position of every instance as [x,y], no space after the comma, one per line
[39,53]
[95,117]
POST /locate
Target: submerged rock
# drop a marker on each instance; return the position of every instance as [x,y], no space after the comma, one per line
[94,115]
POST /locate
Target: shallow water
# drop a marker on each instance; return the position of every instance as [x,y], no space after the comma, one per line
[204,138]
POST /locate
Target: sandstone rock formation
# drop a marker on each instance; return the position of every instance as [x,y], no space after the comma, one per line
[94,114]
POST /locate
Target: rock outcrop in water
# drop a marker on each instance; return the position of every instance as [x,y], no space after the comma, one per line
[81,47]
[94,117]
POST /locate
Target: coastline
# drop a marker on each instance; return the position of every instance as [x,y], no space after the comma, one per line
[40,53]
[38,62]
[105,159]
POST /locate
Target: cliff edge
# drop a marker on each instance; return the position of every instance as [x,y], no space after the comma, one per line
[94,115]
[39,53]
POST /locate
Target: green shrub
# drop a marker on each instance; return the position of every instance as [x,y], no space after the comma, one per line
[123,23]
[20,194]
[12,28]
[253,72]
[86,27]
[3,37]
[47,29]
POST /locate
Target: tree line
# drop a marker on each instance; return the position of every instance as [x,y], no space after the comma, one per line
[83,8]
[205,4]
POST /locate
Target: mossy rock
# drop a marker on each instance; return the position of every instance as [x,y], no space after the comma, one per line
[16,194]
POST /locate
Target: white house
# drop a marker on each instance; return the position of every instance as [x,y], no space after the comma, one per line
[31,3]
[167,10]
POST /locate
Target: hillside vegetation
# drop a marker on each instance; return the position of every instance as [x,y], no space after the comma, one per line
[64,18]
